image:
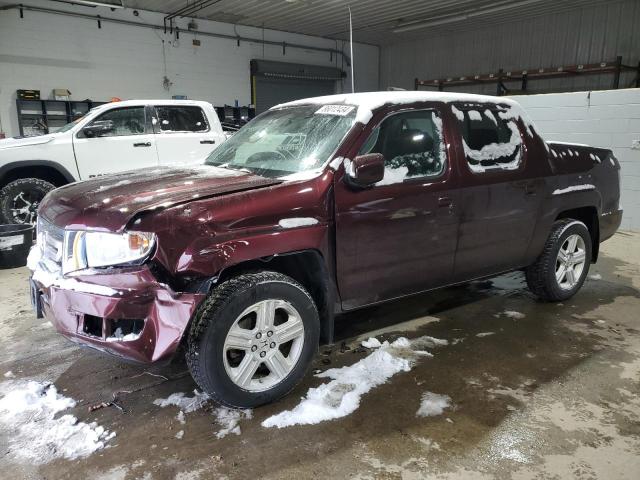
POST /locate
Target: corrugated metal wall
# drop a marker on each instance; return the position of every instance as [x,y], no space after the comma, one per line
[584,35]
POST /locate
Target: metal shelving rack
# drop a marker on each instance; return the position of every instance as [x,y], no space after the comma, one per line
[525,75]
[39,117]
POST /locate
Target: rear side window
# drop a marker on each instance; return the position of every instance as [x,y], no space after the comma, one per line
[491,139]
[178,118]
[411,143]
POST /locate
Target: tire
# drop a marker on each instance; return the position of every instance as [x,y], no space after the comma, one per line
[214,364]
[542,276]
[26,194]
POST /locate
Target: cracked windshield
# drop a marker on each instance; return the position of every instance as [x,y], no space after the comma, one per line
[286,141]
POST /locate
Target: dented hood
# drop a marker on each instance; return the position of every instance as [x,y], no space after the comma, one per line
[108,203]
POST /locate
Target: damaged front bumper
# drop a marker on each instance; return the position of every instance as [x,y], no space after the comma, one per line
[125,312]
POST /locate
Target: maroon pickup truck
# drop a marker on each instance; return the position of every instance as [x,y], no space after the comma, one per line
[315,208]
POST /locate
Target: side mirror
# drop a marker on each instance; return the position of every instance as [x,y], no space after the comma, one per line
[98,128]
[366,170]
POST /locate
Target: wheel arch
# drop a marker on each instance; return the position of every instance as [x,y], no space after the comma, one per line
[43,169]
[307,267]
[589,216]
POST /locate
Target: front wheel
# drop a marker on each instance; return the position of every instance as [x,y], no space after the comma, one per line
[19,200]
[562,267]
[252,339]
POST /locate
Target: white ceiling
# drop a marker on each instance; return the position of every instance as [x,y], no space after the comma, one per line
[374,21]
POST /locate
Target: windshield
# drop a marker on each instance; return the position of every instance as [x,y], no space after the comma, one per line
[286,141]
[70,125]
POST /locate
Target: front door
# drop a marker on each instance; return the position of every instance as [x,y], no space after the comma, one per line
[399,236]
[183,134]
[500,192]
[128,144]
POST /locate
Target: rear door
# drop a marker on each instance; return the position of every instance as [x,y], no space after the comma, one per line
[500,192]
[183,134]
[399,236]
[129,145]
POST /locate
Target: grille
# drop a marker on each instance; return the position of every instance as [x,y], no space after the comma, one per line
[51,240]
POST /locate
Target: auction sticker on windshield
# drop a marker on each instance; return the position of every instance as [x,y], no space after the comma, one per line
[341,110]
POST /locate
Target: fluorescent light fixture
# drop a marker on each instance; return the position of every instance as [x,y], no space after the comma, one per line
[473,12]
[91,3]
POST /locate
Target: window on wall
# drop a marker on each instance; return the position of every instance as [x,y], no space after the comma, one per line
[491,139]
[411,143]
[181,119]
[126,121]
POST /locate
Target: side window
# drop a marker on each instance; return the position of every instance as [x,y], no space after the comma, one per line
[412,144]
[122,122]
[491,139]
[177,118]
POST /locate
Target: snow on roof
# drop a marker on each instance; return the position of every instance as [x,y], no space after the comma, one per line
[370,101]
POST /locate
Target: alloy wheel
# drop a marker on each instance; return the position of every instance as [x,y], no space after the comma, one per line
[570,262]
[263,345]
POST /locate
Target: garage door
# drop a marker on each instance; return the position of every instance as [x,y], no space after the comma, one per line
[277,82]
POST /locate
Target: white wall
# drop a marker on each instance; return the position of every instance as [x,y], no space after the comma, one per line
[609,119]
[44,51]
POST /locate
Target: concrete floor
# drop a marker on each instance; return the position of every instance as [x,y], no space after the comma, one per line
[555,394]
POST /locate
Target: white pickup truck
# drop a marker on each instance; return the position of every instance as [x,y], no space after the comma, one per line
[111,138]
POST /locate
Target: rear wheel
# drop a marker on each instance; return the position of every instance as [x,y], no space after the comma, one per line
[561,269]
[19,200]
[253,339]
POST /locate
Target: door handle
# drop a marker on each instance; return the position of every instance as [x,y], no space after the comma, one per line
[208,141]
[142,144]
[445,202]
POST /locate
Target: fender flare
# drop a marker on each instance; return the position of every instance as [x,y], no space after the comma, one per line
[7,168]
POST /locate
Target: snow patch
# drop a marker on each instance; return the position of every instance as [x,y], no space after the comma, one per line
[186,404]
[513,314]
[371,343]
[484,334]
[433,404]
[595,276]
[573,188]
[28,413]
[393,175]
[180,434]
[9,374]
[341,396]
[229,420]
[367,102]
[494,151]
[474,115]
[297,222]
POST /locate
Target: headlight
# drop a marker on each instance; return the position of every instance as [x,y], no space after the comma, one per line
[97,249]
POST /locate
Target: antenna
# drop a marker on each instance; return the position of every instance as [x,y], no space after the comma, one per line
[351,47]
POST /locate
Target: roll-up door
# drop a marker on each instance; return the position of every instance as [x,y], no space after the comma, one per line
[277,82]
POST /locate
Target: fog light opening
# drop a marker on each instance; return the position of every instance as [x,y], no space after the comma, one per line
[125,330]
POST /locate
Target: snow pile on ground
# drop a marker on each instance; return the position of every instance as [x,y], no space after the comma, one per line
[513,314]
[28,414]
[227,418]
[9,374]
[186,404]
[595,276]
[371,343]
[433,404]
[341,396]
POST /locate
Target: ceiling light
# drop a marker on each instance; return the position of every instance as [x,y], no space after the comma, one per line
[91,3]
[444,19]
